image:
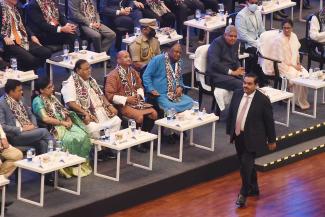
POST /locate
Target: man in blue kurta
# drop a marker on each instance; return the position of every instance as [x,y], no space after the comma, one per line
[163,79]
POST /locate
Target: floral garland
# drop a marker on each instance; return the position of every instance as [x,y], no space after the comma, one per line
[59,108]
[19,110]
[9,15]
[171,77]
[50,11]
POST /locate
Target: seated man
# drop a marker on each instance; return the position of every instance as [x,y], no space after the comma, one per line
[18,122]
[223,65]
[145,46]
[316,28]
[18,40]
[124,88]
[163,79]
[250,26]
[121,13]
[49,24]
[83,95]
[84,13]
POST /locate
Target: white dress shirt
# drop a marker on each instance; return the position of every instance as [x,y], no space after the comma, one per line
[241,105]
[314,30]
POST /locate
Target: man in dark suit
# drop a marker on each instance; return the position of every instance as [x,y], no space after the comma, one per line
[223,64]
[250,125]
[49,24]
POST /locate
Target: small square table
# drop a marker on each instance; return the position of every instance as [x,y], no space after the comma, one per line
[3,182]
[188,124]
[57,160]
[127,142]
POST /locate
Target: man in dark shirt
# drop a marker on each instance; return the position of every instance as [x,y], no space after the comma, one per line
[223,64]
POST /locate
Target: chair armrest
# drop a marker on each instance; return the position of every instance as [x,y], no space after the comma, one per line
[268,58]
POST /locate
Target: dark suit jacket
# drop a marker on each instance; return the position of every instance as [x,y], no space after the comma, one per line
[259,126]
[37,22]
[8,120]
[109,7]
[28,30]
[221,58]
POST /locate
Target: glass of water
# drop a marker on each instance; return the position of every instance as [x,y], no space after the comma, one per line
[132,125]
[13,64]
[195,107]
[84,45]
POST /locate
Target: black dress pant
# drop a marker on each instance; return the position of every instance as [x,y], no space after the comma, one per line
[31,59]
[166,20]
[211,4]
[253,67]
[58,39]
[247,166]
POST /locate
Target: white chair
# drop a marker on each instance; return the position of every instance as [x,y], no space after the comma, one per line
[269,63]
[221,96]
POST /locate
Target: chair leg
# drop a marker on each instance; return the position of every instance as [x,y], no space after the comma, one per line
[309,63]
[213,104]
[200,97]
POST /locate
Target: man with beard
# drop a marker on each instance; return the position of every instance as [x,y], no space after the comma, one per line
[145,46]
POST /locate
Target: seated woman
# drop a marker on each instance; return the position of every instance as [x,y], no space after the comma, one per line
[286,49]
[65,125]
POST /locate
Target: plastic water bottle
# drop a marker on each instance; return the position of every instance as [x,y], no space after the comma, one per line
[204,112]
[169,115]
[50,146]
[76,46]
[58,145]
[29,155]
[197,14]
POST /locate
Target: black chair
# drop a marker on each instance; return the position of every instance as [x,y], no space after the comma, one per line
[231,19]
[312,45]
[276,77]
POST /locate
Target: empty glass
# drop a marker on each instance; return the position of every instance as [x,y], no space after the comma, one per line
[197,14]
[84,44]
[132,125]
[13,63]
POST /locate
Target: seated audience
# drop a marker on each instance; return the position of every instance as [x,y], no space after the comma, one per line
[18,122]
[223,65]
[124,88]
[316,28]
[49,24]
[250,26]
[84,13]
[18,40]
[286,49]
[145,46]
[82,94]
[65,125]
[163,79]
[158,10]
[121,13]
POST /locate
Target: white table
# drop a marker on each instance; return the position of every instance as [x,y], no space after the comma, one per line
[203,25]
[192,57]
[53,166]
[300,9]
[90,56]
[276,95]
[163,39]
[20,76]
[127,142]
[277,7]
[182,126]
[3,182]
[312,84]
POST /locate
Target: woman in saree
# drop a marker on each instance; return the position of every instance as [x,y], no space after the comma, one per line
[65,125]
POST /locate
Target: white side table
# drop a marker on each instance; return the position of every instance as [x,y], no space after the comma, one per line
[127,142]
[182,126]
[59,160]
[3,182]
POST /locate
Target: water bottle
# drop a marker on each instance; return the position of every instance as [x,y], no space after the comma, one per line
[204,112]
[195,107]
[133,126]
[50,146]
[107,135]
[169,115]
[29,155]
[197,14]
[76,46]
[58,146]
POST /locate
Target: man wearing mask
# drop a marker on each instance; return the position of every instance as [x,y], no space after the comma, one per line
[250,26]
[145,46]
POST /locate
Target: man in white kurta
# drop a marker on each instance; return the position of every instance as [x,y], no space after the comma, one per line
[83,95]
[286,49]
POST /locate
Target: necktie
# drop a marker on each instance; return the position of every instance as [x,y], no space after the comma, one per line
[241,116]
[14,31]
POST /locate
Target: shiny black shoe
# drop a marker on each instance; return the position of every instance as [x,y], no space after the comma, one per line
[109,154]
[253,193]
[241,201]
[140,148]
[168,139]
[277,17]
[49,182]
[281,13]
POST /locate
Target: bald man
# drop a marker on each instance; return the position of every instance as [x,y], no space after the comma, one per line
[124,89]
[223,64]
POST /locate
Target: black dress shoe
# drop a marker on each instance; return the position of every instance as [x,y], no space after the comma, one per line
[7,203]
[282,14]
[49,182]
[169,139]
[140,148]
[306,6]
[109,154]
[277,17]
[241,201]
[253,193]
